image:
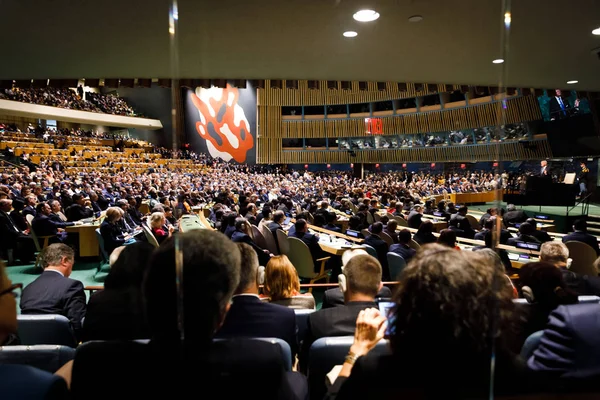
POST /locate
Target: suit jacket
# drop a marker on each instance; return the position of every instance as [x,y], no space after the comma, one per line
[555,109]
[424,239]
[27,382]
[241,237]
[135,215]
[19,220]
[570,345]
[9,230]
[28,210]
[77,212]
[401,249]
[44,225]
[52,293]
[542,236]
[414,219]
[522,238]
[115,314]
[112,236]
[393,235]
[334,297]
[336,321]
[583,237]
[464,225]
[251,317]
[333,227]
[514,217]
[382,248]
[505,235]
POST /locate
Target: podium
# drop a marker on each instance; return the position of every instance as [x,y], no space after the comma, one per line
[542,191]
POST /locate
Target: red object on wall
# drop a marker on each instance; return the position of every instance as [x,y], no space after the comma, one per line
[495,164]
[305,166]
[376,165]
[351,165]
[463,166]
[328,165]
[403,165]
[374,126]
[432,165]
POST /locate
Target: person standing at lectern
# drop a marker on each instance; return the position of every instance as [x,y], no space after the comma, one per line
[584,175]
[559,106]
[544,170]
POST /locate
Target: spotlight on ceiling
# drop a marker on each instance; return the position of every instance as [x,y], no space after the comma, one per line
[415,18]
[498,61]
[350,34]
[572,82]
[366,15]
[596,31]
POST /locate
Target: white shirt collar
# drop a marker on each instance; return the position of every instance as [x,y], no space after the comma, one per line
[245,294]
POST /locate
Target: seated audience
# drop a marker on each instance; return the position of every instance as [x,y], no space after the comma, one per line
[557,254]
[448,238]
[248,316]
[415,217]
[448,320]
[513,216]
[17,244]
[282,285]
[580,234]
[540,235]
[53,292]
[17,217]
[463,223]
[330,219]
[380,246]
[43,225]
[402,248]
[80,209]
[157,223]
[425,234]
[109,229]
[117,312]
[525,235]
[390,229]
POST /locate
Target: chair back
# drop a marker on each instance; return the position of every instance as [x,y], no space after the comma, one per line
[401,221]
[583,256]
[396,264]
[269,239]
[284,248]
[301,258]
[105,257]
[370,249]
[377,217]
[36,242]
[370,218]
[302,322]
[386,238]
[474,222]
[45,357]
[150,236]
[258,237]
[327,352]
[413,244]
[352,207]
[45,329]
[531,343]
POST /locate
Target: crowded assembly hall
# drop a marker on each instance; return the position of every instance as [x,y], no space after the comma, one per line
[300,200]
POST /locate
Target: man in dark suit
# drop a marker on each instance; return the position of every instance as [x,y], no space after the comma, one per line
[30,201]
[570,346]
[242,235]
[514,216]
[18,244]
[401,248]
[360,283]
[330,219]
[542,236]
[557,254]
[415,217]
[380,246]
[390,229]
[249,316]
[488,227]
[311,240]
[580,234]
[525,235]
[559,107]
[278,218]
[44,225]
[463,223]
[53,292]
[79,209]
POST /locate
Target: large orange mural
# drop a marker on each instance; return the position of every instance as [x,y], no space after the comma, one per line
[223,123]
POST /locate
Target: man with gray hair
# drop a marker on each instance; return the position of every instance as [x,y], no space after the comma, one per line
[557,254]
[53,292]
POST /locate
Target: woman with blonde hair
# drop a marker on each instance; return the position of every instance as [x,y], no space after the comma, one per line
[157,223]
[282,285]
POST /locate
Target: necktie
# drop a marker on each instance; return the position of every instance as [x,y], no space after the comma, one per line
[562,106]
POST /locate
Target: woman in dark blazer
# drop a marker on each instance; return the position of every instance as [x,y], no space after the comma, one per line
[110,231]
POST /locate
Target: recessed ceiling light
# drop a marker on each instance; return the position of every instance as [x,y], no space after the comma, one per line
[415,18]
[366,15]
[571,82]
[498,61]
[350,34]
[596,31]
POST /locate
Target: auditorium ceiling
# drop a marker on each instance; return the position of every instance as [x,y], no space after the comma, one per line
[549,43]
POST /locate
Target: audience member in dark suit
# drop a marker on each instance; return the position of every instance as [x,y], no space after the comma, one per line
[57,214]
[569,349]
[53,292]
[278,218]
[390,229]
[525,235]
[490,212]
[95,205]
[117,312]
[44,225]
[580,234]
[330,225]
[513,216]
[463,223]
[17,243]
[542,236]
[442,213]
[360,283]
[242,235]
[424,234]
[239,368]
[543,286]
[16,215]
[30,201]
[557,254]
[415,217]
[249,316]
[437,321]
[380,246]
[79,210]
[453,226]
[311,240]
[110,231]
[488,227]
[134,212]
[401,248]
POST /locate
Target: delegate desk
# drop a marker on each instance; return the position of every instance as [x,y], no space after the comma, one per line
[190,222]
[88,242]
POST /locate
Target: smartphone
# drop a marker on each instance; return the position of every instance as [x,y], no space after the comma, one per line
[386,307]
